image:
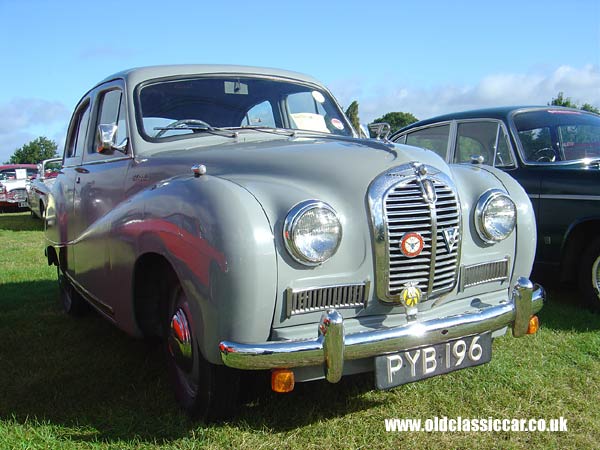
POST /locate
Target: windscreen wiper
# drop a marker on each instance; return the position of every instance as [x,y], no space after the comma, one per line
[196,129]
[270,130]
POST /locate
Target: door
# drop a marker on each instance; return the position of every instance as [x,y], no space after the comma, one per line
[98,191]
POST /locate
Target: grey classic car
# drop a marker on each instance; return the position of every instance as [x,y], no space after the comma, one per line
[554,153]
[234,212]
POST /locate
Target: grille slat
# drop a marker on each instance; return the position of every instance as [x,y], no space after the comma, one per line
[406,210]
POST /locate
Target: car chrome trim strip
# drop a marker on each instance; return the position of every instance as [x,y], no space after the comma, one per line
[567,197]
[331,349]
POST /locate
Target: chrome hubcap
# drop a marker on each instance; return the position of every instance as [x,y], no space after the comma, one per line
[180,340]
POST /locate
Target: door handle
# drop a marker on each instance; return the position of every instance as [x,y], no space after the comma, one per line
[78,180]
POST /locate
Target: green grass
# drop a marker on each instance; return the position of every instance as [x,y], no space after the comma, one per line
[81,383]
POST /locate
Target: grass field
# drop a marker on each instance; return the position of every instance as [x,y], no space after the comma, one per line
[81,383]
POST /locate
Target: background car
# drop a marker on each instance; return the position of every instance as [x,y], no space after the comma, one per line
[234,212]
[554,153]
[13,180]
[38,187]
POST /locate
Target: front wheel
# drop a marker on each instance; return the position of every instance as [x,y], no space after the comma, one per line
[589,275]
[204,390]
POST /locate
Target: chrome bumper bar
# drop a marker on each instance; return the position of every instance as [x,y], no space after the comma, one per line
[332,346]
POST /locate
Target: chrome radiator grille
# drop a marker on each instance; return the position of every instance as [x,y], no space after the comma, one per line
[407,210]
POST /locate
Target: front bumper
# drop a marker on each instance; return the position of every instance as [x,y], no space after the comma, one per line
[332,346]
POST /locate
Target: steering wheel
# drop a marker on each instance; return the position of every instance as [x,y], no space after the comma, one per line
[174,125]
[545,154]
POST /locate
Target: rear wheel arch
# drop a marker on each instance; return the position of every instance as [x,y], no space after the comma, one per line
[153,279]
[577,238]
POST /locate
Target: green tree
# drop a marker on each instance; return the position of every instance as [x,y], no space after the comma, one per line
[560,100]
[352,115]
[397,120]
[590,108]
[35,151]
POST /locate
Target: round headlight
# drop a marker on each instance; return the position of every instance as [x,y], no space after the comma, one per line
[495,216]
[312,232]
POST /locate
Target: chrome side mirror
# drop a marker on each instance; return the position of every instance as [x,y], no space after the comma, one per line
[107,133]
[380,130]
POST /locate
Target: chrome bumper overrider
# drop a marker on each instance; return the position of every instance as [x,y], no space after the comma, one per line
[332,346]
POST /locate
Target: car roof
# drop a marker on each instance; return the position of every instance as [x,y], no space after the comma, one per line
[499,113]
[139,74]
[18,166]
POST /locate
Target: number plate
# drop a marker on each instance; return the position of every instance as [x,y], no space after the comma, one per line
[22,204]
[425,362]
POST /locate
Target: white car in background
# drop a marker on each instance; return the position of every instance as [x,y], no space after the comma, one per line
[38,188]
[13,181]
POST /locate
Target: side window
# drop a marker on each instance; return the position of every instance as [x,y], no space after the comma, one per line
[504,156]
[307,112]
[485,139]
[111,112]
[432,138]
[260,115]
[77,132]
[537,144]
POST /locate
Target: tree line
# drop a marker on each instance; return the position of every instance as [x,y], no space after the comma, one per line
[399,120]
[43,148]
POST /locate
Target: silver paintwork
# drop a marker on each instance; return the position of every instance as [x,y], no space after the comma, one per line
[332,351]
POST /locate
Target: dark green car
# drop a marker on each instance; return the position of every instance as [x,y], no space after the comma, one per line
[554,153]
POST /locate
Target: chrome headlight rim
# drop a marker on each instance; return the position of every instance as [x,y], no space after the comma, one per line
[292,218]
[484,201]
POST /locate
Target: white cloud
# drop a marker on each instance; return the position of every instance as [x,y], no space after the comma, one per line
[582,85]
[24,119]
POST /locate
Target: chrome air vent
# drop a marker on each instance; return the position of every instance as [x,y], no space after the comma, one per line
[484,273]
[415,199]
[323,298]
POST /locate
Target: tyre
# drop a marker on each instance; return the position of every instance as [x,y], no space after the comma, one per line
[589,276]
[72,302]
[205,391]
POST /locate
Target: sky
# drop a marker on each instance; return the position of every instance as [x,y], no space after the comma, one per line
[428,58]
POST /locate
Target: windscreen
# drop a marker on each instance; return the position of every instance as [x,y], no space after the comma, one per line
[558,135]
[182,107]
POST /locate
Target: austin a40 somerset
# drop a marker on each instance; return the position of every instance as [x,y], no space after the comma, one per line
[234,212]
